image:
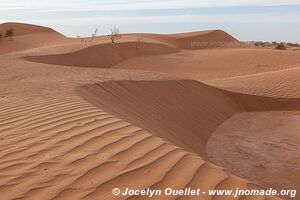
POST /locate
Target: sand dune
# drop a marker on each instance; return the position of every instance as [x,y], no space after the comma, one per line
[107,55]
[27,36]
[185,112]
[195,40]
[66,148]
[104,55]
[154,105]
[216,63]
[26,29]
[138,129]
[278,83]
[275,73]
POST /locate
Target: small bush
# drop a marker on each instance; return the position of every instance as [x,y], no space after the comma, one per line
[114,35]
[10,33]
[280,46]
[94,35]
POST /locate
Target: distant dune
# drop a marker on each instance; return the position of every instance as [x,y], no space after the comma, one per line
[195,40]
[27,36]
[26,29]
[107,55]
[104,55]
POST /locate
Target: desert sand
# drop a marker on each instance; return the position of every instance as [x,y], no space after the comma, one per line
[78,118]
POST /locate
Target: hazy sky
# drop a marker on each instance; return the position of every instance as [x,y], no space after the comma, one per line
[246,20]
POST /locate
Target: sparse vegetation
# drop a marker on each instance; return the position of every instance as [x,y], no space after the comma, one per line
[114,35]
[10,33]
[293,44]
[279,46]
[94,35]
[262,44]
[276,45]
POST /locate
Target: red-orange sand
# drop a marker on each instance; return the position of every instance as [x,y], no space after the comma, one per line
[78,119]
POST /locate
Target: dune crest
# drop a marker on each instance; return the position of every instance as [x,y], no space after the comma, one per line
[26,29]
[195,40]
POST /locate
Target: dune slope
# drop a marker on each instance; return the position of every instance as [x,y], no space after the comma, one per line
[210,64]
[103,55]
[277,83]
[185,112]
